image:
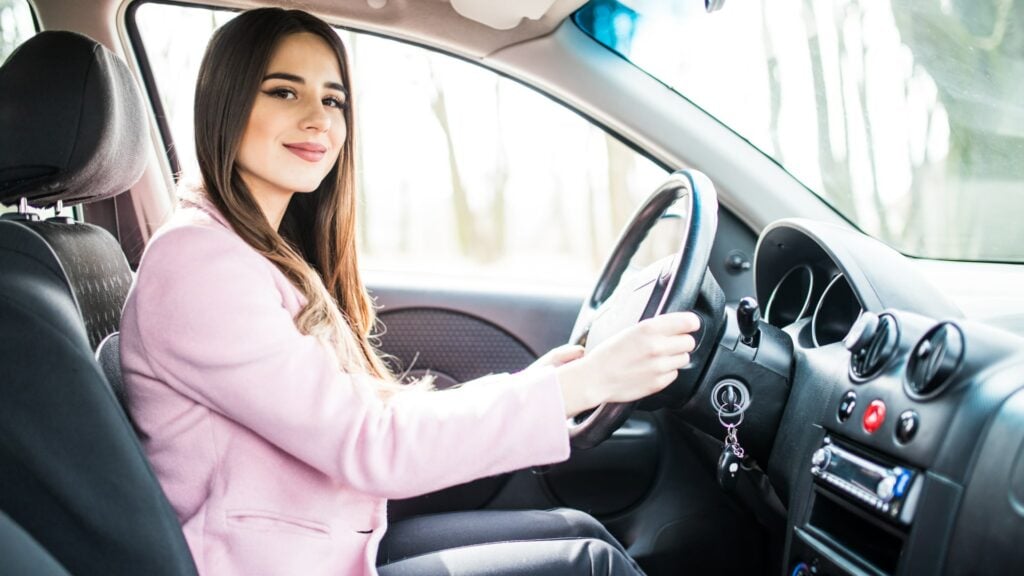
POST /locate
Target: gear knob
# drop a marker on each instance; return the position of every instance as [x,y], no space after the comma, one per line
[748,315]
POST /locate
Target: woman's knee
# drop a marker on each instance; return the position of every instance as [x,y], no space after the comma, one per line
[582,524]
[598,557]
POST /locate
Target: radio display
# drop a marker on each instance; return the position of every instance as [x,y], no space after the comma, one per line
[887,490]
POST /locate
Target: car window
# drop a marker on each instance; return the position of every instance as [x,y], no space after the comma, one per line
[906,116]
[16,26]
[461,172]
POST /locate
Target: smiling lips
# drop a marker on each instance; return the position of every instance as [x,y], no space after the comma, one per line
[308,151]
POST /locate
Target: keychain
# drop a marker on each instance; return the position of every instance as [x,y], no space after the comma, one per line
[732,453]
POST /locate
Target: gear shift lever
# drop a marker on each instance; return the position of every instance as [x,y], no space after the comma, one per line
[748,315]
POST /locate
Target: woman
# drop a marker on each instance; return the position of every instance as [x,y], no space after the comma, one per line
[273,425]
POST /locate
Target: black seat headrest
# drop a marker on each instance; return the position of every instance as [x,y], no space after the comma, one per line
[73,122]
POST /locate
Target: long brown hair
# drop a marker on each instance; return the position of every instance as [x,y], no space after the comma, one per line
[316,245]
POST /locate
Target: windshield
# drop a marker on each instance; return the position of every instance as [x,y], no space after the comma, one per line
[906,116]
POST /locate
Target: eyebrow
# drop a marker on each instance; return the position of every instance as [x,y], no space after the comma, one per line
[300,80]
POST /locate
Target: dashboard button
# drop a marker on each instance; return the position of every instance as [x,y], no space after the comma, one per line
[885,489]
[874,416]
[906,426]
[846,406]
[902,481]
[821,458]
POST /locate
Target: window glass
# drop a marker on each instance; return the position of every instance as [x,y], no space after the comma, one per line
[460,171]
[16,26]
[907,116]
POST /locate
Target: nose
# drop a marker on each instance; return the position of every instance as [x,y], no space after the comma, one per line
[316,118]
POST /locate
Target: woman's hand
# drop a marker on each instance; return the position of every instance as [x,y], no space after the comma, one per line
[558,356]
[631,365]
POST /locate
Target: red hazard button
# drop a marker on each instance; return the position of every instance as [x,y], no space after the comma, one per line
[874,416]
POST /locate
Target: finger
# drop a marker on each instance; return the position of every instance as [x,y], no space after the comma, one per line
[688,322]
[550,354]
[676,362]
[563,354]
[673,345]
[664,379]
[674,323]
[570,351]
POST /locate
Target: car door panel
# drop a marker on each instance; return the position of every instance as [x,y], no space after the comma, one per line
[462,334]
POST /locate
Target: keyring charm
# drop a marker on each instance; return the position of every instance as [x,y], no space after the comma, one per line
[722,415]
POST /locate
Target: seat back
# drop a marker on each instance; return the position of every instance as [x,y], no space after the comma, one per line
[75,130]
[72,472]
[73,476]
[108,354]
[93,267]
[95,270]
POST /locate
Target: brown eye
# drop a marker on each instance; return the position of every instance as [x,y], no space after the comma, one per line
[335,103]
[282,93]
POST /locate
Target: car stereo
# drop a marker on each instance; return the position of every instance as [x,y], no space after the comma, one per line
[885,490]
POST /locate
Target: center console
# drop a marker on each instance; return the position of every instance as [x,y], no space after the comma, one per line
[901,450]
[876,494]
[859,514]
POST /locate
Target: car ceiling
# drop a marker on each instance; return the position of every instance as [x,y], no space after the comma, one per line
[433,22]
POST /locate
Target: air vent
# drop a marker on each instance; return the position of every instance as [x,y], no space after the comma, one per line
[934,359]
[872,342]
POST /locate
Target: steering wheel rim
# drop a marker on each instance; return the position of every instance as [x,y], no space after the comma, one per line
[677,287]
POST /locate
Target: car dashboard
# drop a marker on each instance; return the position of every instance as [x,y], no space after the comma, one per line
[901,446]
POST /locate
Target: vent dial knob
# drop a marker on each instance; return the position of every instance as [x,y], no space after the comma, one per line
[934,359]
[861,333]
[871,342]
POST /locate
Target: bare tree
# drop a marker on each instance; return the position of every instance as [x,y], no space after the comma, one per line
[620,202]
[886,233]
[481,234]
[362,210]
[496,242]
[464,227]
[12,31]
[835,166]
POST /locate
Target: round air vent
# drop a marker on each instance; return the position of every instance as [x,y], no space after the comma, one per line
[934,359]
[871,341]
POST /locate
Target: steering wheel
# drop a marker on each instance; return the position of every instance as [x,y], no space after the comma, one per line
[671,284]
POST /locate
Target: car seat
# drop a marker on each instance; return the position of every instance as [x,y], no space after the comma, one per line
[73,477]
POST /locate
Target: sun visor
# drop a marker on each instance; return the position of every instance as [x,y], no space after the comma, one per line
[502,15]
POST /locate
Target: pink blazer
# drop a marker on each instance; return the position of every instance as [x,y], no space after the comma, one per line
[275,461]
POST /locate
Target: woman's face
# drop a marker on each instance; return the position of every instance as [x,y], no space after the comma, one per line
[297,126]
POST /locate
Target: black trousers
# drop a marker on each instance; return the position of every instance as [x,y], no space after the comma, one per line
[493,543]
